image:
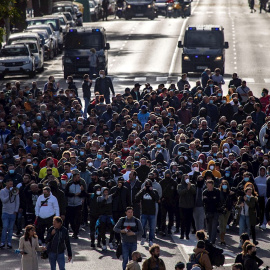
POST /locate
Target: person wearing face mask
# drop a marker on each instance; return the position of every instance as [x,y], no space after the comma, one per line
[154,262]
[95,180]
[227,176]
[15,177]
[71,84]
[104,85]
[186,191]
[93,213]
[159,149]
[75,191]
[251,261]
[212,167]
[227,200]
[136,259]
[198,210]
[168,201]
[195,172]
[246,207]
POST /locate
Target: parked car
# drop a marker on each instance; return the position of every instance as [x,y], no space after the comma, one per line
[35,50]
[50,31]
[17,59]
[24,36]
[48,44]
[95,11]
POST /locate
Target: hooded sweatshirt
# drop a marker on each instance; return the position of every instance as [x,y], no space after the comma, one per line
[105,206]
[214,172]
[261,182]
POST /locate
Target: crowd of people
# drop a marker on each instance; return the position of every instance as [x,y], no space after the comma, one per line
[176,160]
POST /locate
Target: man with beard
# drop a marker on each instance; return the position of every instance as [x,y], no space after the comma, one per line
[46,208]
[95,181]
[154,262]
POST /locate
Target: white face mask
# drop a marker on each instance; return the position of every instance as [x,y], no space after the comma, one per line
[71,95]
[1,181]
[90,164]
[98,192]
[265,160]
[28,160]
[185,157]
[226,150]
[196,169]
[211,167]
[101,75]
[187,181]
[219,159]
[201,161]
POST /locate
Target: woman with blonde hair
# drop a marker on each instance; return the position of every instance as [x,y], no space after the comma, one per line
[28,247]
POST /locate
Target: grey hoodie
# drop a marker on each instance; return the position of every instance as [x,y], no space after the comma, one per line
[261,182]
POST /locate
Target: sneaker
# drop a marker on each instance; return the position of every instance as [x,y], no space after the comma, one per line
[104,248]
[2,245]
[182,237]
[111,246]
[74,236]
[9,246]
[263,226]
[98,245]
[187,237]
[93,245]
[150,243]
[142,241]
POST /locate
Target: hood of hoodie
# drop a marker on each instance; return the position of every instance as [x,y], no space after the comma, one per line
[103,189]
[262,168]
[211,162]
[168,172]
[96,187]
[245,157]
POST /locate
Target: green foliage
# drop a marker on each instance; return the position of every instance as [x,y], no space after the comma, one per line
[2,33]
[8,9]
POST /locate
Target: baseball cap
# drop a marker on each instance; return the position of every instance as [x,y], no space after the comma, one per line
[137,84]
[143,107]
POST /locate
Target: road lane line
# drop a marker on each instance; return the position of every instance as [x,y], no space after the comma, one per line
[140,79]
[176,50]
[248,80]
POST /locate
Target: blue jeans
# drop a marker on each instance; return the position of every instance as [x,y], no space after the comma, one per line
[151,220]
[244,225]
[127,249]
[8,223]
[107,99]
[86,103]
[59,258]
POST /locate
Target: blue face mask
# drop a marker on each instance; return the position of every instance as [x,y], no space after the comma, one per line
[81,153]
[34,140]
[38,117]
[223,101]
[11,171]
[179,153]
[76,141]
[246,178]
[211,85]
[248,196]
[30,99]
[35,164]
[219,94]
[227,174]
[99,156]
[199,95]
[224,186]
[158,146]
[238,141]
[169,114]
[211,101]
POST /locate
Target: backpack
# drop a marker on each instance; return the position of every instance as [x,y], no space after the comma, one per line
[194,259]
[215,254]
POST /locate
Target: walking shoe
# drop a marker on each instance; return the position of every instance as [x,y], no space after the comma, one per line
[111,246]
[98,245]
[182,237]
[162,233]
[93,245]
[150,243]
[142,241]
[263,226]
[74,236]
[255,243]
[2,245]
[104,248]
[9,246]
[187,237]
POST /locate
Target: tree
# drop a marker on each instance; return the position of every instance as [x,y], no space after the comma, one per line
[9,13]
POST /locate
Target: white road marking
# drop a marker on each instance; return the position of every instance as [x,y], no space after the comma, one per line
[267,80]
[140,79]
[249,80]
[161,79]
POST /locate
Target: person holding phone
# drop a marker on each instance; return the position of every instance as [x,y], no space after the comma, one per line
[28,247]
[57,241]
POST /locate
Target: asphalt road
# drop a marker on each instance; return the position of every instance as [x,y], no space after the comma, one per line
[145,51]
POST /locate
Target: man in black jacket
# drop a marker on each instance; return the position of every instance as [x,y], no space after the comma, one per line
[250,262]
[94,213]
[58,240]
[143,170]
[104,85]
[168,201]
[120,202]
[86,86]
[134,186]
[211,200]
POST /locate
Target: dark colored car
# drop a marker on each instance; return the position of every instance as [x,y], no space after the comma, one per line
[78,43]
[203,47]
[137,8]
[161,6]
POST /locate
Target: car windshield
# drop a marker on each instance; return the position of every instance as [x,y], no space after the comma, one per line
[91,4]
[63,9]
[62,21]
[53,22]
[138,1]
[18,51]
[206,39]
[161,1]
[33,47]
[20,38]
[83,41]
[68,16]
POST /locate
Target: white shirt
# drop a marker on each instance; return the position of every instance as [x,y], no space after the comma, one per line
[48,209]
